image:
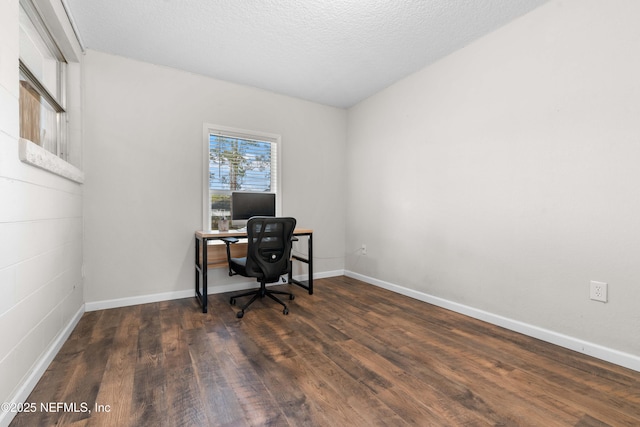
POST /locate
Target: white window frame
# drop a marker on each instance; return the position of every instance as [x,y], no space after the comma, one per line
[40,48]
[213,129]
[49,23]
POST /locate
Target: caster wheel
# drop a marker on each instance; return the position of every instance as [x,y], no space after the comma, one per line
[285,311]
[292,297]
[240,314]
[232,301]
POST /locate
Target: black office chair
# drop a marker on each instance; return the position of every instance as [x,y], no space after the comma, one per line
[268,257]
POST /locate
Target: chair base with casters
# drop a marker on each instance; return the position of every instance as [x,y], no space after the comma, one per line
[269,241]
[261,293]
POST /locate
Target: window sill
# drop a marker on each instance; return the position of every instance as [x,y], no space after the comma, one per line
[37,156]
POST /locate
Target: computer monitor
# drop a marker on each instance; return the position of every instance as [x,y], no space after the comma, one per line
[246,204]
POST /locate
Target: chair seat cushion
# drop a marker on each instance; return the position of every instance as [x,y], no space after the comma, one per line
[239,265]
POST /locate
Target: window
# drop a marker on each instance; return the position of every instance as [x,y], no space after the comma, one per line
[237,160]
[42,84]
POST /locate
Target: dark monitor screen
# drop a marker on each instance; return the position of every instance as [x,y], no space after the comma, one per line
[245,204]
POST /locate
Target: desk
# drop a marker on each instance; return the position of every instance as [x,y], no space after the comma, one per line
[203,237]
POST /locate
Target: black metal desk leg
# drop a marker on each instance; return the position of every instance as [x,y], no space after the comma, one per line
[310,242]
[201,271]
[205,293]
[309,261]
[197,266]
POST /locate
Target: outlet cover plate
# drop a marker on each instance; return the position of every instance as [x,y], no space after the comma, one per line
[598,291]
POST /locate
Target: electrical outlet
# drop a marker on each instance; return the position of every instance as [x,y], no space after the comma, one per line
[363,249]
[598,291]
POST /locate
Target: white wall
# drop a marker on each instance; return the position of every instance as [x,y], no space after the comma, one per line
[143,158]
[509,171]
[40,240]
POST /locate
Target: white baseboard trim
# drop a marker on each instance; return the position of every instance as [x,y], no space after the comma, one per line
[626,360]
[187,293]
[23,392]
[322,275]
[164,296]
[141,299]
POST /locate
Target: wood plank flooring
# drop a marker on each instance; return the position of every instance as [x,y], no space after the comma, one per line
[350,355]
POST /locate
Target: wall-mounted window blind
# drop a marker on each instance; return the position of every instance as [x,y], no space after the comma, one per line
[239,164]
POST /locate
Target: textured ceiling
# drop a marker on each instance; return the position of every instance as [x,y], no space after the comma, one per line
[335,52]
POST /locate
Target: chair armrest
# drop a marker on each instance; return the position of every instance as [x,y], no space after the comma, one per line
[228,240]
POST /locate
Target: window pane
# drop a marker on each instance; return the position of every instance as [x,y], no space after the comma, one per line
[42,69]
[220,208]
[38,57]
[239,164]
[38,119]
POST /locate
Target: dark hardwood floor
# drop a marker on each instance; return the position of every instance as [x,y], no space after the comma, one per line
[350,355]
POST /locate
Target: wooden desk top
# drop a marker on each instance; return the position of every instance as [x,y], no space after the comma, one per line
[215,234]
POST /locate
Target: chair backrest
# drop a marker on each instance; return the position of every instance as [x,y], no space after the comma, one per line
[269,246]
